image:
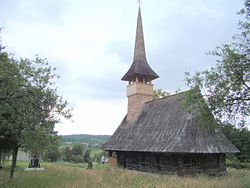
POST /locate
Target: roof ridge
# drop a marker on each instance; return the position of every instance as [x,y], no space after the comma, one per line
[172,95]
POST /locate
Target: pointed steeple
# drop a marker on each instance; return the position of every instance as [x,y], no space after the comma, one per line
[140,67]
[139,52]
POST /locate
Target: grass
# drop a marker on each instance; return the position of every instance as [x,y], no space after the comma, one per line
[74,175]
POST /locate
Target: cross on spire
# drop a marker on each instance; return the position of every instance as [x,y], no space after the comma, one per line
[139,2]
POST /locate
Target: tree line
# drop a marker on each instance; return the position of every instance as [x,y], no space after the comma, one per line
[91,140]
[75,153]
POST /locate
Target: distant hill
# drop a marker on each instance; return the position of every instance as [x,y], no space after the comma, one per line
[86,138]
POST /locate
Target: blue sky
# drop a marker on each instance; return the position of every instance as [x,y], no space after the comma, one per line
[91,43]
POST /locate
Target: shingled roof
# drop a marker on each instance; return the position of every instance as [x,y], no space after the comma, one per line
[164,126]
[140,66]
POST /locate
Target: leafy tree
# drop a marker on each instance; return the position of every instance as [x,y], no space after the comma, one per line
[159,93]
[67,152]
[29,104]
[226,87]
[86,156]
[77,149]
[52,152]
[98,155]
[241,139]
[77,153]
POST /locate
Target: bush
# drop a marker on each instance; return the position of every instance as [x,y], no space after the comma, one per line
[67,154]
[77,149]
[77,159]
[237,164]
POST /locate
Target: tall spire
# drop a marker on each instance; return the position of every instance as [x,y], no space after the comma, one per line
[139,52]
[140,67]
[139,75]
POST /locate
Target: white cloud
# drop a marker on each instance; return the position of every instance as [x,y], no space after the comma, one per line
[93,116]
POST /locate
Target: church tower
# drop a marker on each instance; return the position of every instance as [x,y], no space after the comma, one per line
[139,76]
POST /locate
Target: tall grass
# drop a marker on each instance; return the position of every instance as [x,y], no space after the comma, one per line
[74,176]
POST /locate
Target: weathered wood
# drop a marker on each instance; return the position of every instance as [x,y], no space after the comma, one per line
[209,164]
[164,126]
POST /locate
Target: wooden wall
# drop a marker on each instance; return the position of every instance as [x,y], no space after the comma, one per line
[166,163]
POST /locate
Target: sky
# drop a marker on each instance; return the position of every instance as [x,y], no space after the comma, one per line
[91,44]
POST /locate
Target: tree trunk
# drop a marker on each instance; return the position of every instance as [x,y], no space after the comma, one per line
[14,158]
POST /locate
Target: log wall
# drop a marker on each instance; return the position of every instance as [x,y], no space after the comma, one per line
[167,163]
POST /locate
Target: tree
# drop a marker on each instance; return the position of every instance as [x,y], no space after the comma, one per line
[52,152]
[159,93]
[77,149]
[77,153]
[67,152]
[99,154]
[226,87]
[29,104]
[86,156]
[241,139]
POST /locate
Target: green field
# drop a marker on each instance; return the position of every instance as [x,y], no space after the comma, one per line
[73,176]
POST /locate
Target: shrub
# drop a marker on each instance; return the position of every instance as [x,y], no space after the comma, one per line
[77,159]
[237,164]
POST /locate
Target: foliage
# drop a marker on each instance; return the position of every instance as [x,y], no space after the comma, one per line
[64,175]
[237,164]
[97,154]
[77,149]
[67,154]
[91,147]
[91,140]
[76,159]
[241,139]
[77,153]
[52,152]
[226,86]
[86,156]
[159,93]
[29,104]
[195,104]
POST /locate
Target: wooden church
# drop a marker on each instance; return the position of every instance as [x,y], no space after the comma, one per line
[160,135]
